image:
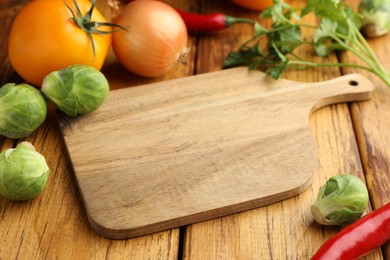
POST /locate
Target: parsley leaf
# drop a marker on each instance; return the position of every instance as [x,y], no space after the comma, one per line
[337,30]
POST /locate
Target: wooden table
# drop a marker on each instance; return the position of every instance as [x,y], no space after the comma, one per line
[352,138]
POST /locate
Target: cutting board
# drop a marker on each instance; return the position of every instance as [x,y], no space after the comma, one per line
[167,154]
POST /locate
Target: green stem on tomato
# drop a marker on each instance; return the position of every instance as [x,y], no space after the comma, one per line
[87,25]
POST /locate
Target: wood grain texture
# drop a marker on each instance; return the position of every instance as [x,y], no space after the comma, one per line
[8,10]
[55,225]
[284,230]
[178,152]
[371,121]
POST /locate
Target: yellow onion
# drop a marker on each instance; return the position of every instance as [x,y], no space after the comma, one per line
[155,38]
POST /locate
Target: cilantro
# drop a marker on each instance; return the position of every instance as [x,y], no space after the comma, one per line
[337,30]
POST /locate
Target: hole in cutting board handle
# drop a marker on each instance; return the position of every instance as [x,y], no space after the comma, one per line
[353,83]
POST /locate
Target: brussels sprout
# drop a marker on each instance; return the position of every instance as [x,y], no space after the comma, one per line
[22,110]
[375,17]
[341,201]
[23,172]
[77,89]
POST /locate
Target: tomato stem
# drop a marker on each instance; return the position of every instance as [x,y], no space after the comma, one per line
[88,26]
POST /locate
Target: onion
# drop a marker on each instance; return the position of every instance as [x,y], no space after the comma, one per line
[155,40]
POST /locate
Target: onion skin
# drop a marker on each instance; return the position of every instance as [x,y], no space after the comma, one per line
[155,40]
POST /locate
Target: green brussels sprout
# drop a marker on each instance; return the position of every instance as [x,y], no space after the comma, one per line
[76,90]
[23,172]
[340,201]
[375,17]
[22,110]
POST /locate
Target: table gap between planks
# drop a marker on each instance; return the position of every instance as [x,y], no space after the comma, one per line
[350,139]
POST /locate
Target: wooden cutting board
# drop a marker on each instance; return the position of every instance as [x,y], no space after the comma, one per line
[172,153]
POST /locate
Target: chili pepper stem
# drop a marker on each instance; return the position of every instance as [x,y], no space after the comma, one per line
[229,20]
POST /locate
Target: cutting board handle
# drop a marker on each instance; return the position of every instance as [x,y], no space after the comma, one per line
[347,88]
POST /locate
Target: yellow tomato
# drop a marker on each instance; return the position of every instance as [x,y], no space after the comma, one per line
[43,38]
[257,5]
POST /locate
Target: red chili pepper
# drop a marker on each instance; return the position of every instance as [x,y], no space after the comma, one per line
[359,238]
[209,22]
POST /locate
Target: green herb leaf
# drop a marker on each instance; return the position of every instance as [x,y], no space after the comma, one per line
[276,71]
[286,39]
[244,56]
[259,29]
[338,30]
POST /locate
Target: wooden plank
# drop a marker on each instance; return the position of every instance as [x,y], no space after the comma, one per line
[55,225]
[284,230]
[371,121]
[8,10]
